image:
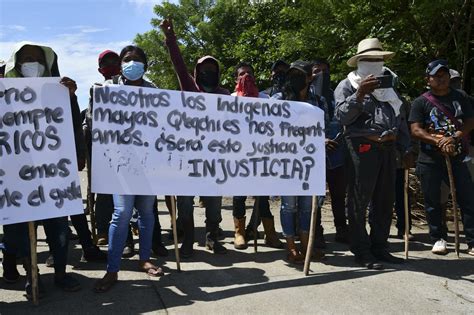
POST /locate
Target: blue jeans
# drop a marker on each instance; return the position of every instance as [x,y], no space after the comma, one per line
[289,206]
[431,176]
[118,231]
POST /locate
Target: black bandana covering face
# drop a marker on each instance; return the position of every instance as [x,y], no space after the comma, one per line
[208,80]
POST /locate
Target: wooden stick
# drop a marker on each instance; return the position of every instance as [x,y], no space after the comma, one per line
[407,213]
[34,264]
[175,232]
[256,221]
[91,202]
[312,230]
[455,204]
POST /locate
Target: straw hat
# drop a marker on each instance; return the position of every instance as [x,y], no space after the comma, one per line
[369,48]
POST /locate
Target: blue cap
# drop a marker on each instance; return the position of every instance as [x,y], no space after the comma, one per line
[436,65]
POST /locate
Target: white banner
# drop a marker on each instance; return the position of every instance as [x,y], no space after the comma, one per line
[38,167]
[150,141]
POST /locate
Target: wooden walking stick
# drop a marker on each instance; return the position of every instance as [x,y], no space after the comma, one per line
[407,213]
[175,232]
[91,201]
[255,225]
[312,230]
[455,204]
[33,261]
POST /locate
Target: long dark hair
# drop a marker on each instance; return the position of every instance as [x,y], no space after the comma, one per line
[137,50]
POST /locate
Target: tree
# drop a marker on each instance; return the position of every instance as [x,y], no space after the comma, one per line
[261,32]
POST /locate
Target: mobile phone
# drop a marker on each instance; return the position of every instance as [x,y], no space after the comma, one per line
[385,81]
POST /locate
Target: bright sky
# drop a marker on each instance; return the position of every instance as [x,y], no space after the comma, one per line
[77,30]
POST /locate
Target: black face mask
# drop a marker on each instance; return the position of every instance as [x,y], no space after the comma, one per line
[278,79]
[326,82]
[297,82]
[207,80]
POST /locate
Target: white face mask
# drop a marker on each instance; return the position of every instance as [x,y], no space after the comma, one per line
[366,68]
[32,69]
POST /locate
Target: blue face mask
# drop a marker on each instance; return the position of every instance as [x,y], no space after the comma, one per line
[133,70]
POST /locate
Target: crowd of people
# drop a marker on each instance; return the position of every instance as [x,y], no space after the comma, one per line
[372,135]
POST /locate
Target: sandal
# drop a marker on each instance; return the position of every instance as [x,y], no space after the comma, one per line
[150,269]
[106,283]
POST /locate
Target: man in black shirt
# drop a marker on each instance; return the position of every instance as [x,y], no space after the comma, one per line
[441,119]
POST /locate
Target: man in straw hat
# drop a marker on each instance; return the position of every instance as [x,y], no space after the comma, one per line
[369,109]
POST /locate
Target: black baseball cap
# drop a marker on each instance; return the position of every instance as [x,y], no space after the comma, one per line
[303,66]
[436,65]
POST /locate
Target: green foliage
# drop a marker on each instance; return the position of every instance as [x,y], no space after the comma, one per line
[261,32]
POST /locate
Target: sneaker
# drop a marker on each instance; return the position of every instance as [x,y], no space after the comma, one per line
[439,248]
[214,245]
[29,289]
[470,250]
[49,261]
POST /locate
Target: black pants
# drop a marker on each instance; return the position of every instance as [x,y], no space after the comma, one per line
[238,207]
[17,241]
[371,179]
[79,221]
[336,179]
[431,176]
[104,207]
[400,201]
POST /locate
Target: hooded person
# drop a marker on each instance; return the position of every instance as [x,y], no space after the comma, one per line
[32,60]
[372,121]
[297,88]
[245,86]
[2,68]
[206,79]
[277,77]
[109,64]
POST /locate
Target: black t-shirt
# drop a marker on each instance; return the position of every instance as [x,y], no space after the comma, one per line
[424,112]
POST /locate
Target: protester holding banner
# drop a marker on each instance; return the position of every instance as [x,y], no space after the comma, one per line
[277,77]
[370,113]
[109,67]
[441,119]
[133,67]
[206,79]
[320,89]
[245,86]
[31,60]
[296,88]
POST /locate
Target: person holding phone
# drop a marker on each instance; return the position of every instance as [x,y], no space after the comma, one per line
[372,121]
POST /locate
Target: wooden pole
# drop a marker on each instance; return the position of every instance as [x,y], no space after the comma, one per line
[255,225]
[91,201]
[455,204]
[33,261]
[175,232]
[407,213]
[312,230]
